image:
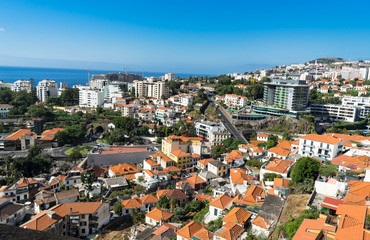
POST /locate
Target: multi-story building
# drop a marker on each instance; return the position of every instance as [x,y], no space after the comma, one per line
[91,98]
[362,104]
[112,90]
[149,89]
[323,147]
[235,100]
[336,111]
[213,132]
[169,76]
[77,219]
[46,88]
[4,109]
[21,85]
[287,94]
[182,99]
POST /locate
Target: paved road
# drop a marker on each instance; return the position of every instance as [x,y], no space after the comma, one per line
[234,132]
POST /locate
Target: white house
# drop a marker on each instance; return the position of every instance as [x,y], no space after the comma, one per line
[218,206]
[277,166]
[235,100]
[262,137]
[320,146]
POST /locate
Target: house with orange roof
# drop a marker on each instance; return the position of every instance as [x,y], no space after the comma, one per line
[262,137]
[278,152]
[177,194]
[330,187]
[20,140]
[181,158]
[351,222]
[231,231]
[122,169]
[234,159]
[163,160]
[48,138]
[157,217]
[261,227]
[203,164]
[218,206]
[233,100]
[188,231]
[280,187]
[276,165]
[323,147]
[254,195]
[166,231]
[130,204]
[93,214]
[149,164]
[239,180]
[237,215]
[196,182]
[203,234]
[149,201]
[312,229]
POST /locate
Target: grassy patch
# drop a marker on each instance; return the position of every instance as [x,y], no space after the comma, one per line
[82,149]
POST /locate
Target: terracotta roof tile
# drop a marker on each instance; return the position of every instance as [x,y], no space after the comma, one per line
[222,201]
[159,214]
[189,230]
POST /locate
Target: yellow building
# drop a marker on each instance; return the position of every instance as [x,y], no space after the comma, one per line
[173,143]
[181,158]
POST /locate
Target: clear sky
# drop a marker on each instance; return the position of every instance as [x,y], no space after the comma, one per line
[181,36]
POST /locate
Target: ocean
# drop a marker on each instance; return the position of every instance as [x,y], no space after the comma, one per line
[71,76]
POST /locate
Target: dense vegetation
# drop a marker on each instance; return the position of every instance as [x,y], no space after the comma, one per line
[304,173]
[290,227]
[20,100]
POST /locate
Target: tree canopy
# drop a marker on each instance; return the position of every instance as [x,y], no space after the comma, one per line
[305,168]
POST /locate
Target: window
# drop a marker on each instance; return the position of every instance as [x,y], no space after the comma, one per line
[83,230]
[215,212]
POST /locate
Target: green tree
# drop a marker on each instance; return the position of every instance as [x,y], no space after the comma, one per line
[75,155]
[87,179]
[218,150]
[305,168]
[71,135]
[40,111]
[163,202]
[117,208]
[328,169]
[137,216]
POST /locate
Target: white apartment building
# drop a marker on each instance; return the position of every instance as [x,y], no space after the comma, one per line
[362,104]
[91,98]
[112,91]
[235,100]
[320,146]
[169,76]
[212,132]
[182,99]
[46,88]
[153,90]
[21,85]
[336,111]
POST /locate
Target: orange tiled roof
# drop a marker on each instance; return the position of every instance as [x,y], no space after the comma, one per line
[151,162]
[262,135]
[222,201]
[235,154]
[232,231]
[238,175]
[180,153]
[278,165]
[172,169]
[125,168]
[262,222]
[150,198]
[251,197]
[237,215]
[195,179]
[206,161]
[285,144]
[351,222]
[279,151]
[52,131]
[132,203]
[42,221]
[322,138]
[204,234]
[22,183]
[159,214]
[17,134]
[189,230]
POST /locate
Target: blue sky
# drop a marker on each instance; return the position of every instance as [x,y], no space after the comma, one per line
[180,36]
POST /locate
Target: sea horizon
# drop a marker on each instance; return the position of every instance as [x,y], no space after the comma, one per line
[72,76]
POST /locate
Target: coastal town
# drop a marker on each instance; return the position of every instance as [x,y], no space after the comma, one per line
[280,153]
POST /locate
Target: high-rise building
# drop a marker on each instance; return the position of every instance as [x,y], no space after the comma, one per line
[47,88]
[169,76]
[21,85]
[287,94]
[91,98]
[148,89]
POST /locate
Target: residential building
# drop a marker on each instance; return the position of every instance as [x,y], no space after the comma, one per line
[11,213]
[234,159]
[238,216]
[312,229]
[188,145]
[169,76]
[182,99]
[149,201]
[212,132]
[217,168]
[262,137]
[4,109]
[277,166]
[322,147]
[287,94]
[130,204]
[218,206]
[278,152]
[21,85]
[188,231]
[91,98]
[46,88]
[151,90]
[112,91]
[233,100]
[336,111]
[177,194]
[157,217]
[78,219]
[122,169]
